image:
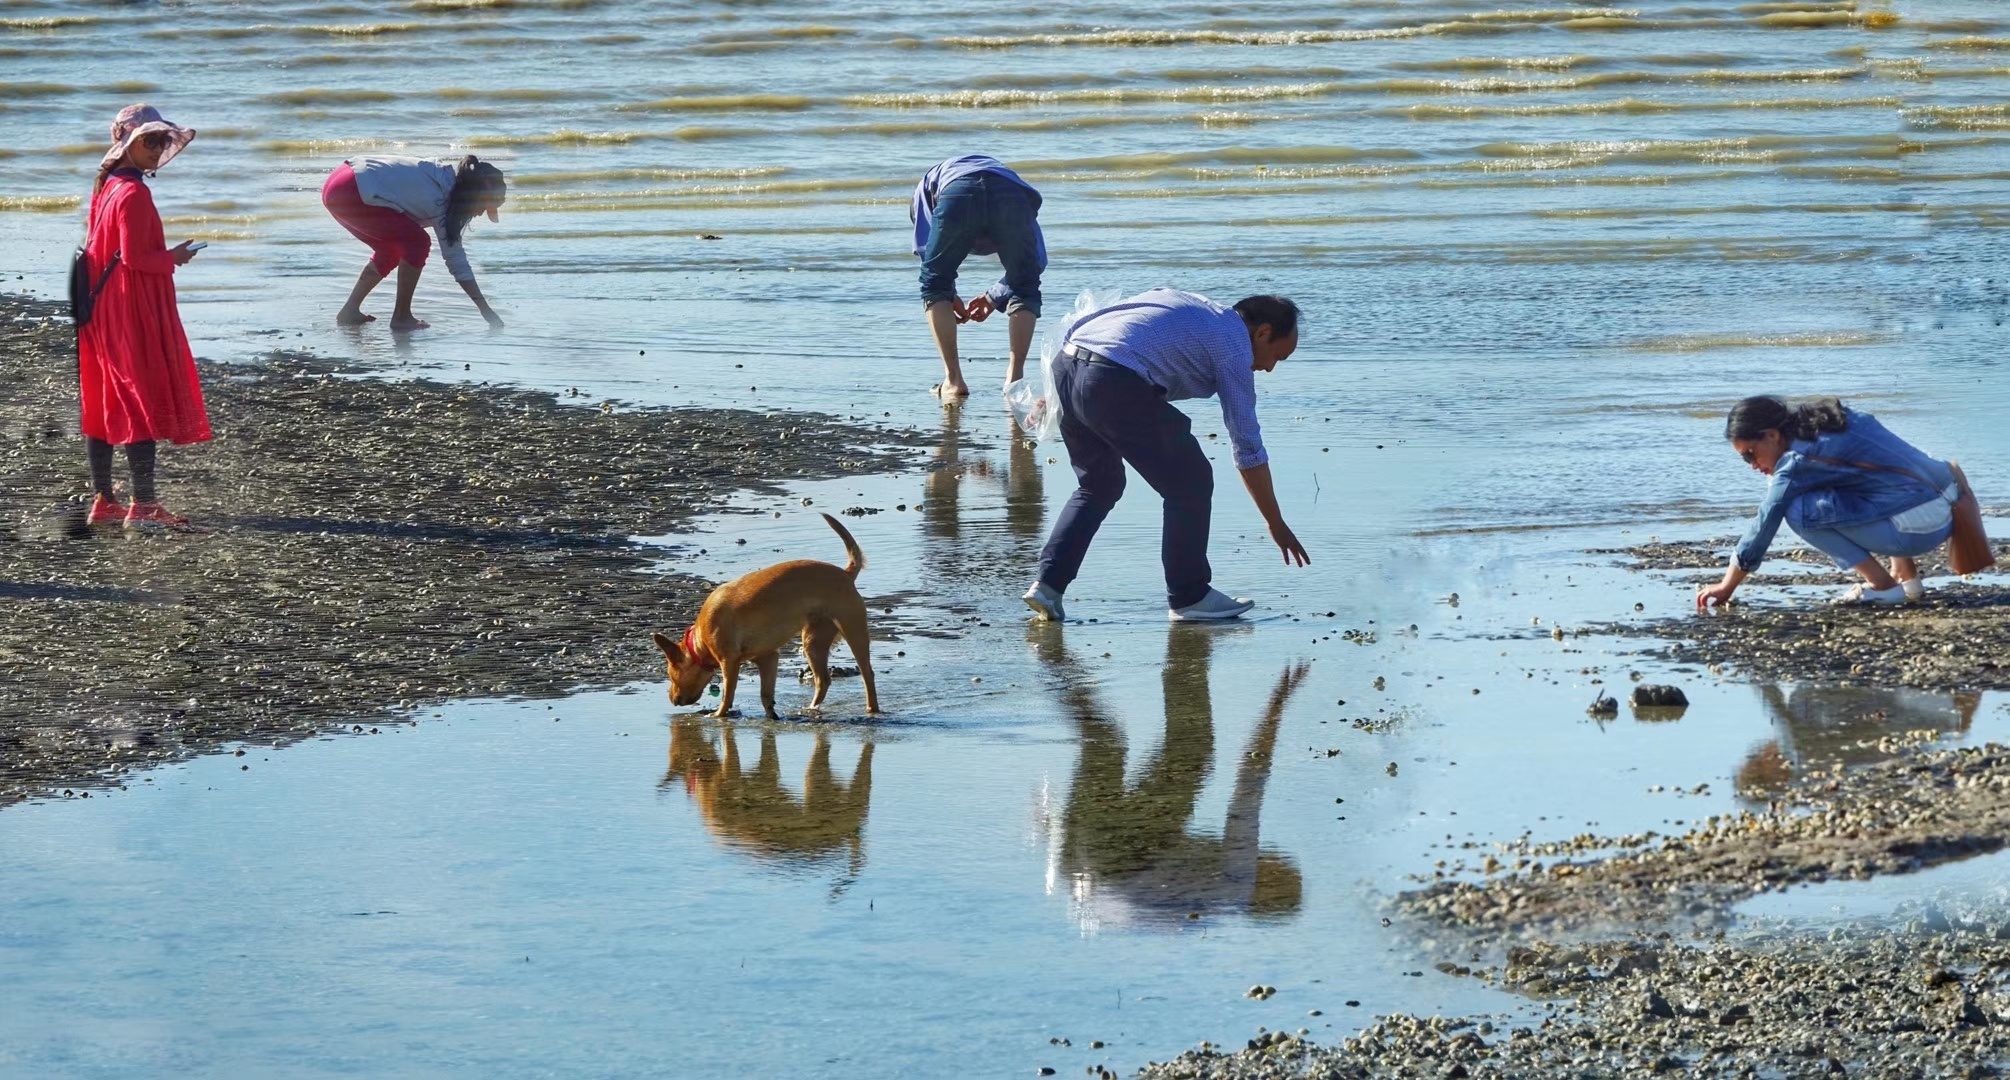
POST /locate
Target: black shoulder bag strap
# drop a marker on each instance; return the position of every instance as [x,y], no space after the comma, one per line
[83,291]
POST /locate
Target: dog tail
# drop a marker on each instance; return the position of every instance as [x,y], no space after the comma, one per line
[854,558]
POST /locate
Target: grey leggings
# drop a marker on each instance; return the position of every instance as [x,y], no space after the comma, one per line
[139,458]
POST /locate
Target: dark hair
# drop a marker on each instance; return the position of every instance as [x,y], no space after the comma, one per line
[1755,416]
[473,179]
[1281,314]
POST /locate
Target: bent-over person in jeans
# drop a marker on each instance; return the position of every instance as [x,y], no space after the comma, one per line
[1116,377]
[974,205]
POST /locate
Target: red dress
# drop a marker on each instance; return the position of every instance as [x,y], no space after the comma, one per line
[133,360]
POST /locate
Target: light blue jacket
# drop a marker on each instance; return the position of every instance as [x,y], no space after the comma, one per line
[1824,483]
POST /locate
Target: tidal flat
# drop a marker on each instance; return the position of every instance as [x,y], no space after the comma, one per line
[1540,253]
[1633,947]
[366,546]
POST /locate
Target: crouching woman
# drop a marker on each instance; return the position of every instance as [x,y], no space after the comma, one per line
[389,203]
[1848,487]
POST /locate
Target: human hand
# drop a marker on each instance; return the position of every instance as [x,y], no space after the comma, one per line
[1287,542]
[495,320]
[979,310]
[957,309]
[1719,594]
[182,253]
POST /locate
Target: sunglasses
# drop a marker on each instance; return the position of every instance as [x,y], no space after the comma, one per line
[1750,457]
[156,140]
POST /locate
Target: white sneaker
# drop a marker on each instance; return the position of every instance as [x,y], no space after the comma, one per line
[1046,601]
[1863,594]
[1215,605]
[1915,590]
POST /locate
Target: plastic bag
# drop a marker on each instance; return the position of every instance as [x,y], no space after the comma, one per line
[1028,403]
[1034,406]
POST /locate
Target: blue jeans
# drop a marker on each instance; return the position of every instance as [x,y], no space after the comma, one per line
[1850,545]
[1110,415]
[989,211]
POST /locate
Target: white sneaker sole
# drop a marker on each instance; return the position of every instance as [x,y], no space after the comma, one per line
[1040,608]
[1190,615]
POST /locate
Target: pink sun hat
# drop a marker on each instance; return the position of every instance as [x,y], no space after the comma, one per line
[137,121]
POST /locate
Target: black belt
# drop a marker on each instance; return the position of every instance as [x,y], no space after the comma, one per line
[1087,357]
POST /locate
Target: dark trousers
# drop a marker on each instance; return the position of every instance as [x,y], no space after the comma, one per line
[1109,416]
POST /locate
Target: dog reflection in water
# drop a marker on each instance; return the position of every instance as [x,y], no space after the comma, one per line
[1128,849]
[754,812]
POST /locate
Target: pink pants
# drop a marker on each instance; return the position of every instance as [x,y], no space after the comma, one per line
[393,237]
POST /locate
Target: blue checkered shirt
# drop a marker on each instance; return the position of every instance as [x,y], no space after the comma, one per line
[1188,346]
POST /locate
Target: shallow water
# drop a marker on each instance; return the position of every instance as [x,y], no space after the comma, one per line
[1539,254]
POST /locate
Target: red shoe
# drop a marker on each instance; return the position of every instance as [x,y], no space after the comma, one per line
[153,515]
[105,511]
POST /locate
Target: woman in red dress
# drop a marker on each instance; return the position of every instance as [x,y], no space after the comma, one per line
[133,361]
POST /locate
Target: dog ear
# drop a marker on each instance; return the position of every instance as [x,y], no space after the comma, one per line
[670,648]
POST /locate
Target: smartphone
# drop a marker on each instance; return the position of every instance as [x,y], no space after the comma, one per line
[198,245]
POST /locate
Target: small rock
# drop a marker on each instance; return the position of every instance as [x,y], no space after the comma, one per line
[1656,696]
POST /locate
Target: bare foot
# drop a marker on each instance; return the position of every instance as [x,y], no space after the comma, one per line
[950,390]
[346,317]
[408,322]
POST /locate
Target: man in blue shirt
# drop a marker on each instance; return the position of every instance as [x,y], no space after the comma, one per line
[974,205]
[1118,373]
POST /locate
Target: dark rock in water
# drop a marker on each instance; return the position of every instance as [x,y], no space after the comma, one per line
[1606,705]
[1654,696]
[837,671]
[1653,1004]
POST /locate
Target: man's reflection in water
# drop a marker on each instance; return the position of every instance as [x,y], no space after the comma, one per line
[1025,493]
[977,548]
[1823,726]
[754,812]
[1128,850]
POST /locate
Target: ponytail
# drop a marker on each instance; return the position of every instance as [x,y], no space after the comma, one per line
[473,179]
[1754,416]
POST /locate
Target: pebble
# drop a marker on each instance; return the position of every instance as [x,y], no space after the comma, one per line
[1654,696]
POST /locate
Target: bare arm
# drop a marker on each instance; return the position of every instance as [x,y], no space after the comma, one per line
[1257,479]
[474,292]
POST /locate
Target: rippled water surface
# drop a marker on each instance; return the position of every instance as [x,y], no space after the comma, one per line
[1539,250]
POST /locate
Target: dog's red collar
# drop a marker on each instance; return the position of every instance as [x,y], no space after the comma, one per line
[691,650]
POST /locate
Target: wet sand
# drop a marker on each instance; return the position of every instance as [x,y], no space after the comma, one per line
[1621,938]
[1874,1004]
[370,546]
[1618,947]
[1958,638]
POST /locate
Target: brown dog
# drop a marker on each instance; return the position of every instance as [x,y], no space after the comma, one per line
[750,618]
